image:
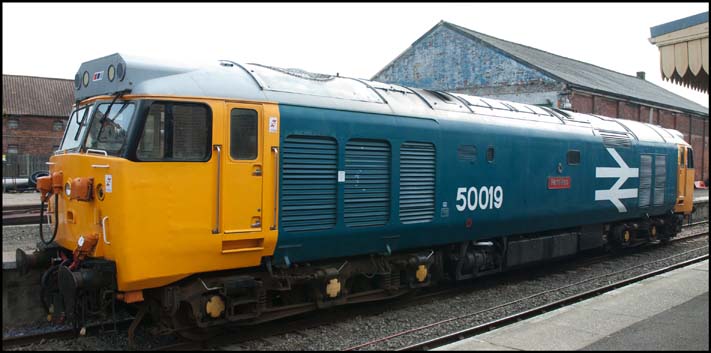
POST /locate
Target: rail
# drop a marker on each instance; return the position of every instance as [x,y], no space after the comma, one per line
[473,331]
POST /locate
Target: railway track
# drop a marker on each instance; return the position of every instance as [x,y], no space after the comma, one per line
[63,333]
[241,334]
[299,327]
[482,328]
[21,214]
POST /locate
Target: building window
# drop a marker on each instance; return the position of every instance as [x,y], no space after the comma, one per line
[13,123]
[58,126]
[12,149]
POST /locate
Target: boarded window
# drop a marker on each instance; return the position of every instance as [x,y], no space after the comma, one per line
[490,154]
[417,182]
[244,134]
[366,195]
[466,152]
[176,132]
[308,183]
[58,125]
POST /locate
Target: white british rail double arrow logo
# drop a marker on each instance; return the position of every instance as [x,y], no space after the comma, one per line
[622,173]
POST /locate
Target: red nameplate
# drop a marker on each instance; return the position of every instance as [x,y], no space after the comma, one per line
[559,182]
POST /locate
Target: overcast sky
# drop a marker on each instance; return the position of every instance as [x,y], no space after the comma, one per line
[353,39]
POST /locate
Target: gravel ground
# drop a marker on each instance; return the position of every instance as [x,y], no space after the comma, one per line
[471,301]
[24,236]
[354,331]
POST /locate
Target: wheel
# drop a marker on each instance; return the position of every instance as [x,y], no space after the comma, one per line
[183,322]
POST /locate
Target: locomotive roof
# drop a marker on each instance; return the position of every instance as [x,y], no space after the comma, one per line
[228,79]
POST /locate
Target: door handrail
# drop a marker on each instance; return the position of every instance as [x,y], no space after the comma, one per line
[216,230]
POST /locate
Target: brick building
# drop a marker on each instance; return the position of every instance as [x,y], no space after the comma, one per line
[455,59]
[34,113]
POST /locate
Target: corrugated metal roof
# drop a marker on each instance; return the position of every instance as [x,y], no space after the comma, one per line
[36,96]
[586,75]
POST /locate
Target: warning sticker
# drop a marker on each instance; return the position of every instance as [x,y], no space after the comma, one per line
[272,124]
[108,182]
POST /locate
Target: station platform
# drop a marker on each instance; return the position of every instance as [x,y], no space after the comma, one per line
[666,312]
[21,198]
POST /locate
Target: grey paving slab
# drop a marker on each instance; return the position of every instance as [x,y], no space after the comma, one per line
[641,310]
[684,327]
[474,345]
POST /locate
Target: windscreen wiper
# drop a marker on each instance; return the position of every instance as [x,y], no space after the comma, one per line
[108,111]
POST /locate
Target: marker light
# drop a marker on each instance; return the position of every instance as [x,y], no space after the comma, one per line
[121,71]
[67,189]
[112,72]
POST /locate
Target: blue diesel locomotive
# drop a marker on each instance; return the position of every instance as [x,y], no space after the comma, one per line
[246,193]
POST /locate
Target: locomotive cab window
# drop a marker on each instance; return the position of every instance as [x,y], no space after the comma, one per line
[76,128]
[573,157]
[176,132]
[244,134]
[109,127]
[689,158]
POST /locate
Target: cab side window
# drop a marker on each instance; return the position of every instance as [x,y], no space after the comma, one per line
[689,158]
[244,134]
[176,131]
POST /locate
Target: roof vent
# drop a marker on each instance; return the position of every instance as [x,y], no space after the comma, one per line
[640,74]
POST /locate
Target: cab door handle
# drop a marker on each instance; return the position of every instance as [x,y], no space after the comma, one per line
[257,171]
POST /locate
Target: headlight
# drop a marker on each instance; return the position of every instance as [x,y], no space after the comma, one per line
[67,189]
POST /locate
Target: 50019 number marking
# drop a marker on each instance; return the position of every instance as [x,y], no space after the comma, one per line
[486,197]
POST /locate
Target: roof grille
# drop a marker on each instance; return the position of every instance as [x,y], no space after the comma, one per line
[615,139]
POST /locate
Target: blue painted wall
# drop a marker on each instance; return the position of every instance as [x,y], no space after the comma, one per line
[448,60]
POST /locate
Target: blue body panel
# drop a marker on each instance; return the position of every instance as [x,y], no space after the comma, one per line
[524,159]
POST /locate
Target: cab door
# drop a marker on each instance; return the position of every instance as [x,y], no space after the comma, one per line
[681,180]
[242,174]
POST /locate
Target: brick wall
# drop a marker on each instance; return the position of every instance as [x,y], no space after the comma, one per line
[692,127]
[33,135]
